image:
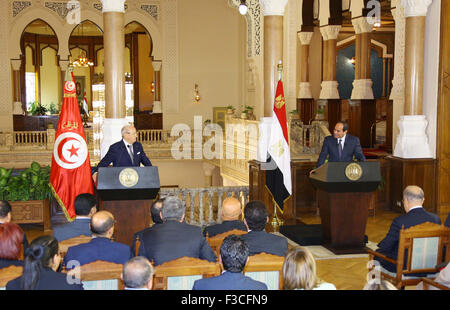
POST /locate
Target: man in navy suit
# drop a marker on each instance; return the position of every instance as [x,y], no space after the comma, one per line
[258,240]
[100,247]
[126,152]
[231,211]
[85,208]
[174,238]
[341,146]
[413,198]
[233,258]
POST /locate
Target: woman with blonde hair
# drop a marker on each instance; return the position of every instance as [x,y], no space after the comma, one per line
[299,271]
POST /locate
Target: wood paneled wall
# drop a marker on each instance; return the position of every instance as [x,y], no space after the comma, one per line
[443,130]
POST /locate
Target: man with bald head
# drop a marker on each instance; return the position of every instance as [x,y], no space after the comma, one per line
[125,153]
[138,274]
[231,212]
[101,247]
[413,198]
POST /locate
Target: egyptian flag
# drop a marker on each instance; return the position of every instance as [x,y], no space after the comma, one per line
[71,170]
[278,180]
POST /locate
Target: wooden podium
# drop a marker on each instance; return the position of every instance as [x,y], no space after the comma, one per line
[127,192]
[344,193]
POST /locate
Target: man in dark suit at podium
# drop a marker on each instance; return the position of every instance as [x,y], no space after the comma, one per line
[341,146]
[126,152]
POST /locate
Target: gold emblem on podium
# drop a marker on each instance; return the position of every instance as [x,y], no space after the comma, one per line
[353,171]
[128,177]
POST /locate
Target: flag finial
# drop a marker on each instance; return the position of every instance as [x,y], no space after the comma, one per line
[280,70]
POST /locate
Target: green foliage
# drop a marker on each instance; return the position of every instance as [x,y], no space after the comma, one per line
[53,109]
[294,112]
[230,107]
[37,109]
[30,184]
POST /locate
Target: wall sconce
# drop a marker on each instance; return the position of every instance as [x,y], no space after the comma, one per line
[352,61]
[153,87]
[196,94]
[243,8]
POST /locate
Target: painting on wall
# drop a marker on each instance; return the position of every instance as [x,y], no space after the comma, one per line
[219,114]
[80,82]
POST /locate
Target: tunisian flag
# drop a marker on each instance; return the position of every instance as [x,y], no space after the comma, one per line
[278,180]
[71,170]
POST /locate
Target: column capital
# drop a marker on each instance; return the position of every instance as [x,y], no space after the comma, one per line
[361,25]
[16,63]
[305,37]
[273,7]
[64,64]
[157,65]
[416,7]
[330,32]
[113,6]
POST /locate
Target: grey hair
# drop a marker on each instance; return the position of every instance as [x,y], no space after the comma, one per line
[173,208]
[124,130]
[413,193]
[137,272]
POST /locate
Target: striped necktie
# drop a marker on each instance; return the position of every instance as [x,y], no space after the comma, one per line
[130,151]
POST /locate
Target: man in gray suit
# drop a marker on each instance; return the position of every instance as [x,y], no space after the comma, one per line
[174,238]
[85,207]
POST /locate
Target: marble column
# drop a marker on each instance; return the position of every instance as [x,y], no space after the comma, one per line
[412,141]
[63,65]
[114,45]
[329,91]
[305,101]
[273,11]
[157,108]
[18,107]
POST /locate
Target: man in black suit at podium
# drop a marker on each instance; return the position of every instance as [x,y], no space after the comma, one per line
[125,153]
[341,146]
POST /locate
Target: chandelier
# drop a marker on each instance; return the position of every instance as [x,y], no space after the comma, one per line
[82,61]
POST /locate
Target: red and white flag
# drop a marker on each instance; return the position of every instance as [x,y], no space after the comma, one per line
[71,169]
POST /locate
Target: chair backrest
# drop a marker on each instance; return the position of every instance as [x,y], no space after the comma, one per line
[99,275]
[181,273]
[9,273]
[137,246]
[266,268]
[66,244]
[216,241]
[425,245]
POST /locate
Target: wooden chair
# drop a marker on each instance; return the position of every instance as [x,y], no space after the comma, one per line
[99,275]
[425,245]
[429,282]
[137,246]
[266,268]
[181,273]
[66,244]
[216,241]
[9,273]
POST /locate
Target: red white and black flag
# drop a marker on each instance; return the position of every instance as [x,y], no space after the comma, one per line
[71,169]
[278,179]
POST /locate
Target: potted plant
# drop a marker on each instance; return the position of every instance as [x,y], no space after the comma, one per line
[244,114]
[294,114]
[53,109]
[230,109]
[28,192]
[249,110]
[37,109]
[207,122]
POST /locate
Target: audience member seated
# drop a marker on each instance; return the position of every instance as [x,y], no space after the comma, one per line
[138,274]
[447,221]
[413,198]
[85,207]
[101,247]
[233,258]
[5,217]
[442,278]
[174,238]
[42,260]
[299,271]
[258,240]
[231,211]
[155,211]
[379,285]
[11,236]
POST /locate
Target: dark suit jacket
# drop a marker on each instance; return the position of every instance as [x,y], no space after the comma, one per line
[172,240]
[447,221]
[140,234]
[330,148]
[99,249]
[48,280]
[223,227]
[261,241]
[389,245]
[73,229]
[24,241]
[229,281]
[118,155]
[5,263]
